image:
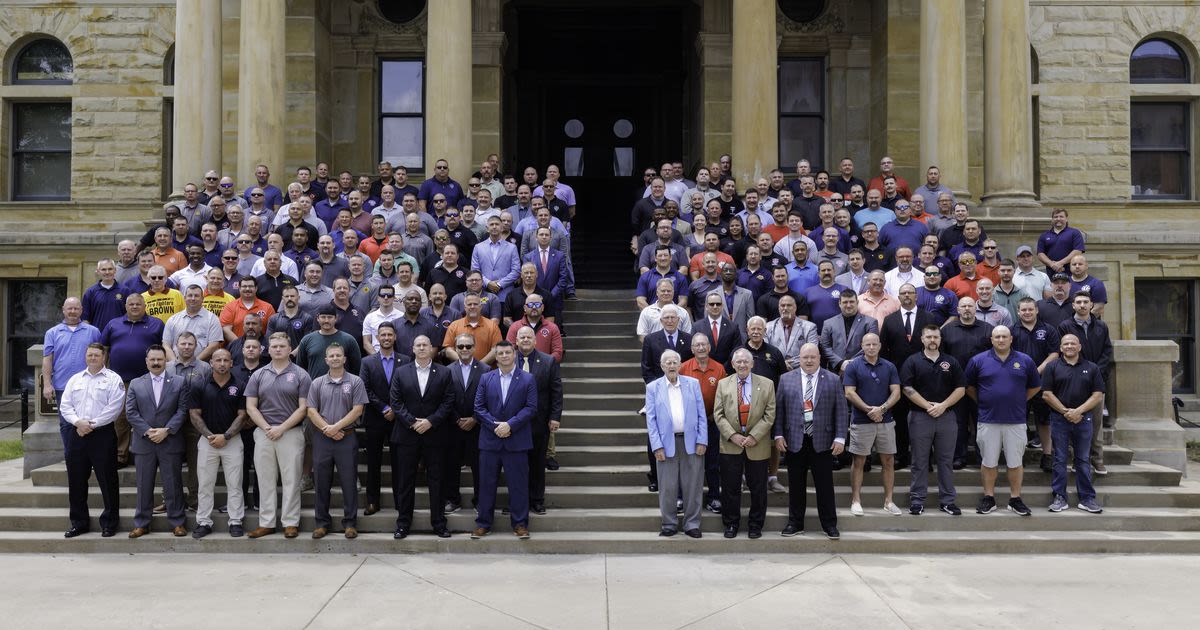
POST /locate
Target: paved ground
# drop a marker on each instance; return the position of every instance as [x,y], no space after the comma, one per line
[584,592]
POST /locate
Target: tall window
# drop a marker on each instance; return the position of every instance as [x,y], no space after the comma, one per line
[801,111]
[1166,310]
[1160,130]
[33,307]
[402,113]
[168,125]
[41,131]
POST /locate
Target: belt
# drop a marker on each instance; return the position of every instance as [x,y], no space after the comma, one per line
[679,434]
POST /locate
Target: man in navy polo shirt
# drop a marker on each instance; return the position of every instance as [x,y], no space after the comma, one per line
[1074,390]
[1058,245]
[1002,381]
[1040,341]
[1083,282]
[104,301]
[872,387]
[440,183]
[935,299]
[273,197]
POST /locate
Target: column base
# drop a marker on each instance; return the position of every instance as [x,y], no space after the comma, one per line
[1157,440]
[1010,198]
[42,444]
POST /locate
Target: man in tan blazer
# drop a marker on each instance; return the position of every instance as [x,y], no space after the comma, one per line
[744,411]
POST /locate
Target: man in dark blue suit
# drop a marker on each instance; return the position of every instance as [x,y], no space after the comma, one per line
[376,372]
[422,400]
[464,437]
[549,410]
[551,271]
[505,406]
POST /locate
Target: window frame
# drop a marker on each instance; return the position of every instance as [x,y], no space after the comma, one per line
[788,165]
[1189,353]
[1186,149]
[381,116]
[15,367]
[14,152]
[12,69]
[1187,64]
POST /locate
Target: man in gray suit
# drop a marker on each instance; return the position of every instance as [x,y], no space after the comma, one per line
[156,406]
[811,423]
[789,333]
[739,301]
[841,335]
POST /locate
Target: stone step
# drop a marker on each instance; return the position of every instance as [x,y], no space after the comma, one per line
[643,542]
[631,354]
[630,383]
[625,326]
[601,436]
[605,313]
[577,414]
[622,340]
[586,367]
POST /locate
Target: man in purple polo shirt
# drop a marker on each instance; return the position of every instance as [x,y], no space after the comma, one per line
[327,208]
[273,197]
[127,339]
[1002,381]
[440,183]
[1061,243]
[1083,282]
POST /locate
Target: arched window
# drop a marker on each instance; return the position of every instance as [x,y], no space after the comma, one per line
[169,66]
[1160,134]
[43,61]
[1158,61]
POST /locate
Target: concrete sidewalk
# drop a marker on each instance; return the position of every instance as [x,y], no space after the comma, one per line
[599,591]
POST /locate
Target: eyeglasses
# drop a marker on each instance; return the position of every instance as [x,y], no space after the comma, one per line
[226,185]
[257,195]
[464,347]
[441,168]
[473,185]
[439,201]
[533,305]
[210,179]
[157,277]
[992,247]
[229,258]
[387,295]
[451,214]
[247,242]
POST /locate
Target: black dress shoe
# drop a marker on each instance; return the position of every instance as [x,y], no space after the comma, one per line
[371,509]
[551,464]
[75,531]
[958,464]
[694,533]
[108,533]
[731,531]
[441,532]
[652,486]
[832,532]
[837,464]
[538,508]
[790,530]
[755,534]
[400,534]
[667,532]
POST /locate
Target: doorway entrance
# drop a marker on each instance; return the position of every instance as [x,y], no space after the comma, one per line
[601,91]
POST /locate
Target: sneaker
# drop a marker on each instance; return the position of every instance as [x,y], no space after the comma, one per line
[951,509]
[916,509]
[1015,504]
[1090,506]
[1058,504]
[774,486]
[714,506]
[892,508]
[856,508]
[987,505]
[1035,443]
[1099,469]
[236,531]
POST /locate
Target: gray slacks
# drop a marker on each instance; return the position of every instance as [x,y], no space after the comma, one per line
[170,467]
[940,434]
[681,475]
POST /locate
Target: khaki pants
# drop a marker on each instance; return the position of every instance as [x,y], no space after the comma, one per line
[210,459]
[279,460]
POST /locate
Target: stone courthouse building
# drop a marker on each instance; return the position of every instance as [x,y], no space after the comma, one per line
[110,107]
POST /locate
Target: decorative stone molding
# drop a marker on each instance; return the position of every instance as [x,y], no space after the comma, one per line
[830,21]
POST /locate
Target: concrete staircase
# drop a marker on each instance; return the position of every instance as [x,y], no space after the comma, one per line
[598,501]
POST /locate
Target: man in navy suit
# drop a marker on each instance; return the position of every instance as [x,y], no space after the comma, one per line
[551,271]
[811,424]
[376,372]
[156,406]
[464,438]
[669,338]
[422,400]
[549,410]
[724,336]
[505,406]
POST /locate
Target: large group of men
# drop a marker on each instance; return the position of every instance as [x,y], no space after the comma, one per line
[427,320]
[824,320]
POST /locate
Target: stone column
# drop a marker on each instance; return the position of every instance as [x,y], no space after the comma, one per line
[197,123]
[1145,420]
[755,90]
[943,91]
[1008,141]
[448,88]
[262,88]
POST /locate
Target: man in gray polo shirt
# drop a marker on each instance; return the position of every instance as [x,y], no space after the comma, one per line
[336,400]
[277,401]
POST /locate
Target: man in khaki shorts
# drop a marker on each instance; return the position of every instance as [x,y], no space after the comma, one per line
[872,386]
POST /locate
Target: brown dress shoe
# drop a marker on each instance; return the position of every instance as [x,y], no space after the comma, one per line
[371,509]
[179,531]
[291,532]
[319,533]
[522,532]
[480,532]
[261,531]
[138,532]
[351,532]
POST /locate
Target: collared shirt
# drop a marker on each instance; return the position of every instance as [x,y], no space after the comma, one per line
[878,307]
[505,382]
[218,404]
[423,375]
[98,398]
[156,383]
[707,377]
[203,324]
[872,383]
[127,342]
[278,391]
[675,400]
[934,379]
[69,345]
[1001,385]
[1038,343]
[333,399]
[103,304]
[1072,385]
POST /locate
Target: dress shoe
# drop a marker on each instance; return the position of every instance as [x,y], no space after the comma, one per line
[236,531]
[441,532]
[371,509]
[958,464]
[552,464]
[667,532]
[138,532]
[161,508]
[401,533]
[538,508]
[351,533]
[731,531]
[261,531]
[319,533]
[451,507]
[693,532]
[837,464]
[832,532]
[521,532]
[201,531]
[791,529]
[480,532]
[755,534]
[108,533]
[291,532]
[652,486]
[74,531]
[179,531]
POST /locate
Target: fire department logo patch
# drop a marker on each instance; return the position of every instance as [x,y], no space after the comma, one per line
[1016,365]
[712,380]
[345,388]
[945,365]
[232,390]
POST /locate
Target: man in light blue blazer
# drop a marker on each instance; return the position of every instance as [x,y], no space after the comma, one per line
[497,259]
[678,426]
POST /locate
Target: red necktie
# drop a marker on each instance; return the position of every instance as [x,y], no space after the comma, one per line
[715,328]
[544,261]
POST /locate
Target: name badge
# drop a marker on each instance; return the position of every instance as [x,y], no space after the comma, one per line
[808,411]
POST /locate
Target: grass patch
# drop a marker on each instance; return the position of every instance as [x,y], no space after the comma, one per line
[1193,450]
[12,449]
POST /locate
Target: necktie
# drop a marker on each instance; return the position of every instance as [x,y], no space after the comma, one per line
[157,386]
[525,363]
[908,325]
[715,328]
[808,397]
[671,341]
[545,263]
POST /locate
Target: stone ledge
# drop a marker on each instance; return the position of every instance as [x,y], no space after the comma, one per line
[1144,351]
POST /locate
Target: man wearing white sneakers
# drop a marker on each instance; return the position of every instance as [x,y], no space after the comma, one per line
[1073,388]
[872,387]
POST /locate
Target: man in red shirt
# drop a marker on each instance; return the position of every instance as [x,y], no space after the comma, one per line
[235,311]
[709,372]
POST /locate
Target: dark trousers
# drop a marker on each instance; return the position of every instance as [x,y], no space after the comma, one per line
[900,415]
[97,451]
[712,463]
[464,448]
[964,412]
[537,469]
[652,475]
[375,436]
[404,480]
[821,465]
[170,467]
[327,454]
[249,478]
[516,472]
[732,467]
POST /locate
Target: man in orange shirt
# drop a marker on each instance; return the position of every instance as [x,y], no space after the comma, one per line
[778,230]
[963,285]
[165,254]
[709,372]
[235,311]
[989,267]
[483,329]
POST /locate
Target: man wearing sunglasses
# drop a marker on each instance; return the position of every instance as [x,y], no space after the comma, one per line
[440,183]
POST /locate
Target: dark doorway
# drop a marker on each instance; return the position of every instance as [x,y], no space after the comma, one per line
[601,91]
